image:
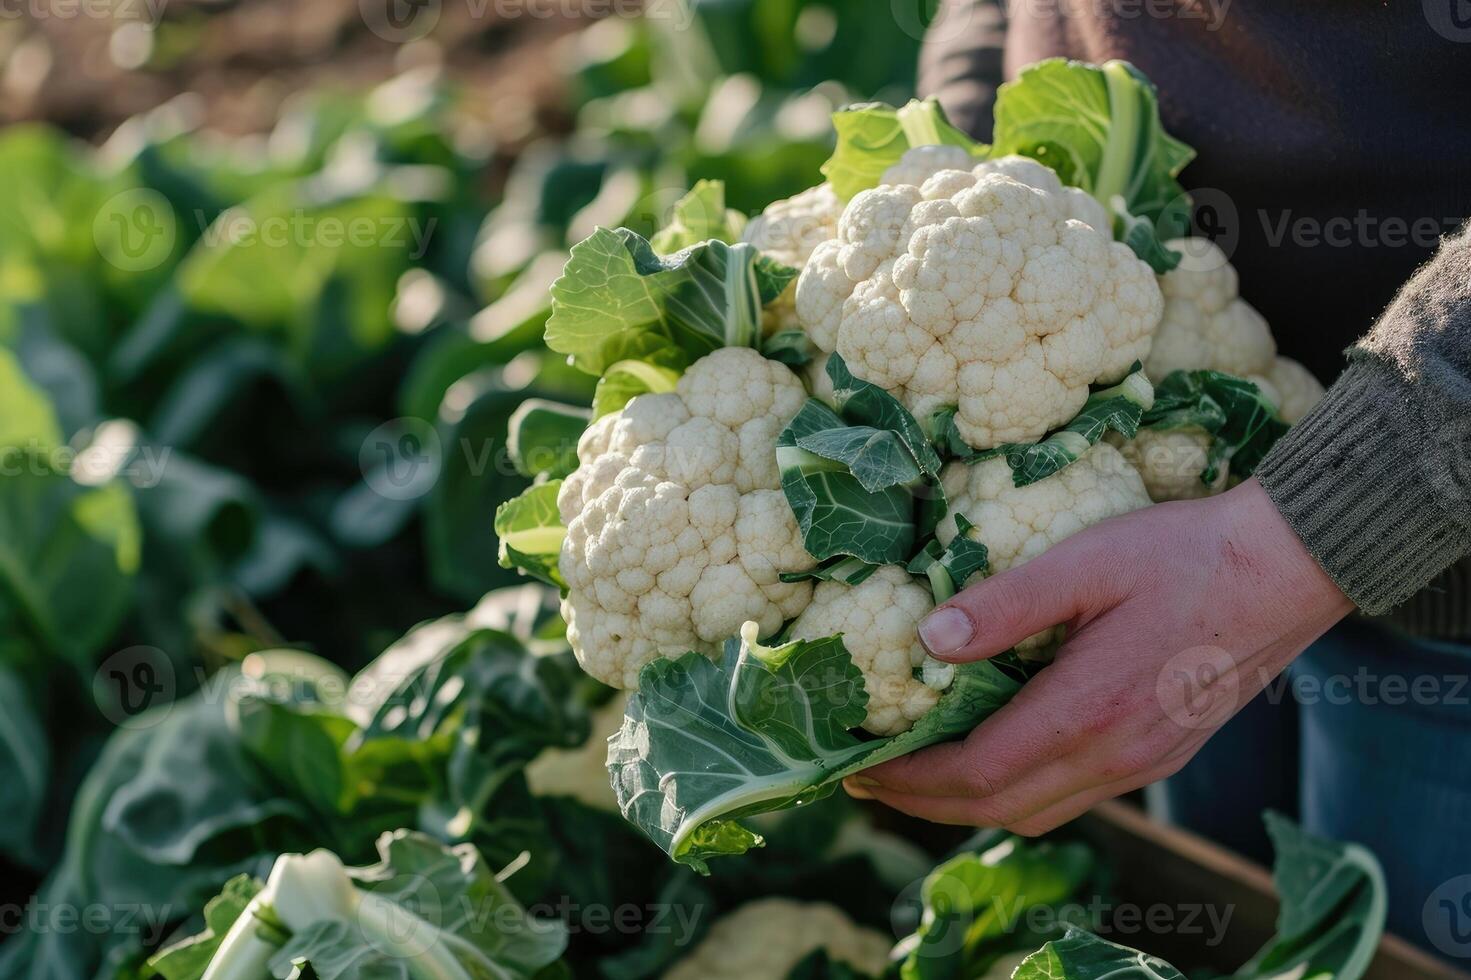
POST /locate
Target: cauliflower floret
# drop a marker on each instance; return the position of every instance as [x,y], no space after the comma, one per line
[1019,523]
[582,773]
[765,939]
[677,529]
[1293,389]
[1206,325]
[788,231]
[814,373]
[1078,203]
[879,619]
[1170,462]
[920,163]
[980,289]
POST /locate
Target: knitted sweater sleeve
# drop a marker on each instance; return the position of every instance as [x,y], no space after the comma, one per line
[1376,480]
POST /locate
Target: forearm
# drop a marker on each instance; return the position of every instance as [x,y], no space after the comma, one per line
[961,61]
[1377,479]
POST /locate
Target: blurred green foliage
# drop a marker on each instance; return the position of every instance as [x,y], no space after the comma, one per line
[255,393]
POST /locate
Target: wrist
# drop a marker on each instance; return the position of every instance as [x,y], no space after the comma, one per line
[1263,544]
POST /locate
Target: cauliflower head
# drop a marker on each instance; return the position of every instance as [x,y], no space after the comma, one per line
[765,939]
[987,288]
[677,528]
[1019,523]
[582,773]
[879,620]
[1206,324]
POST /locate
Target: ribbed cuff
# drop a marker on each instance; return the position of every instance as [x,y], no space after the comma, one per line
[1346,479]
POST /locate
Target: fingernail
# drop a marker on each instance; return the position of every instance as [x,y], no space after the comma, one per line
[946,631]
[857,787]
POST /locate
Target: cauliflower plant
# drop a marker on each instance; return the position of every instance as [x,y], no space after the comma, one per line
[765,939]
[989,288]
[879,619]
[1019,523]
[677,528]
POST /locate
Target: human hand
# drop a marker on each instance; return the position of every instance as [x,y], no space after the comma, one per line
[1177,615]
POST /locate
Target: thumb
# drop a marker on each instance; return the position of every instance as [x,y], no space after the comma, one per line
[997,613]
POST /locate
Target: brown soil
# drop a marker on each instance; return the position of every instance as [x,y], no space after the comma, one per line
[87,65]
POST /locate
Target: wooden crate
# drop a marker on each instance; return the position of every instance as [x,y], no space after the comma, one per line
[1160,864]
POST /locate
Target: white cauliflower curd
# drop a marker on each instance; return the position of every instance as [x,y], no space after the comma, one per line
[765,939]
[989,288]
[677,529]
[1208,326]
[879,619]
[1292,388]
[1019,523]
[1170,462]
[788,230]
